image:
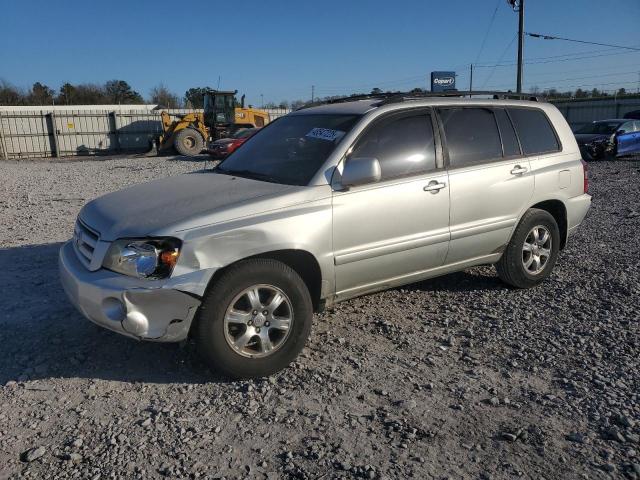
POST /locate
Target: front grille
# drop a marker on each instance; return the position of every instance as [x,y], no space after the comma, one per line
[84,241]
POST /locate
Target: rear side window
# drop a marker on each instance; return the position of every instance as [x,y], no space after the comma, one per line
[471,134]
[534,130]
[510,144]
[403,146]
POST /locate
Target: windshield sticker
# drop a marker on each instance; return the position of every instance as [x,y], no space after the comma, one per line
[325,134]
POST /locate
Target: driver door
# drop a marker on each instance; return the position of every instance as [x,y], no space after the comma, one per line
[390,232]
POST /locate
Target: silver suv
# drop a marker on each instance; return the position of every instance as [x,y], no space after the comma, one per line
[325,204]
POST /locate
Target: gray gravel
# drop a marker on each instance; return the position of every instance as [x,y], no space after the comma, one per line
[457,377]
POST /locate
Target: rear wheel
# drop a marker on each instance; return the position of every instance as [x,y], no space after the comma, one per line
[188,141]
[532,251]
[255,320]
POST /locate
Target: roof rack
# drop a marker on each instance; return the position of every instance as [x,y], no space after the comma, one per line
[395,97]
[352,98]
[400,97]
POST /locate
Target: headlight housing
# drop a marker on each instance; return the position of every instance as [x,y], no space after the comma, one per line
[143,258]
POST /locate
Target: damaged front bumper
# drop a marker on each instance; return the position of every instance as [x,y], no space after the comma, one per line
[137,308]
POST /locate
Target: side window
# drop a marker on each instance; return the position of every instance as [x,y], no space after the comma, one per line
[627,127]
[509,140]
[471,134]
[534,130]
[403,145]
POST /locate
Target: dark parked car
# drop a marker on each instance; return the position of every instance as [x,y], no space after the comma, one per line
[634,115]
[225,146]
[615,137]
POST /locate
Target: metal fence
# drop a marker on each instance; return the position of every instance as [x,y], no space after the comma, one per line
[56,132]
[581,112]
[93,130]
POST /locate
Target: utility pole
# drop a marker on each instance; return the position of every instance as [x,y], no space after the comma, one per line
[470,80]
[313,87]
[520,43]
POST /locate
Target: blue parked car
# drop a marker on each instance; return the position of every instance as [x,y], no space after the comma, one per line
[615,137]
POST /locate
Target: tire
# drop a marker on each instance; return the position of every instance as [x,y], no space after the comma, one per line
[189,142]
[587,156]
[511,266]
[219,340]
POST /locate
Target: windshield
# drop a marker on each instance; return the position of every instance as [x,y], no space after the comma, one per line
[602,128]
[244,133]
[290,150]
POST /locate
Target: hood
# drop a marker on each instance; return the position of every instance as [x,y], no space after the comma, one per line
[584,138]
[224,141]
[143,209]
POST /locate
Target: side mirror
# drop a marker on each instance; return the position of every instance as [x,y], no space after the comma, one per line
[358,171]
[621,132]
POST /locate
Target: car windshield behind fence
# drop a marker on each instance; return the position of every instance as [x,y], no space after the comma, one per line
[601,128]
[245,132]
[290,150]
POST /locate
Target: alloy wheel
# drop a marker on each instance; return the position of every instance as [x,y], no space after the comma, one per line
[536,250]
[258,321]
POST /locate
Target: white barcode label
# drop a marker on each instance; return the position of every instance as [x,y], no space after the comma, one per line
[325,134]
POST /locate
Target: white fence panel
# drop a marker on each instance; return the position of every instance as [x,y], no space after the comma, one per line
[85,130]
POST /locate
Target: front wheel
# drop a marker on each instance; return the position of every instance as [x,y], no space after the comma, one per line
[189,142]
[255,320]
[532,251]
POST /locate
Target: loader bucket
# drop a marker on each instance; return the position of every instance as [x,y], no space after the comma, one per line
[153,149]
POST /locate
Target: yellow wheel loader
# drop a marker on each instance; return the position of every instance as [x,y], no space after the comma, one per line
[190,133]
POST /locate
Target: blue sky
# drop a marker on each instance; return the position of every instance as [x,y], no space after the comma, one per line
[280,48]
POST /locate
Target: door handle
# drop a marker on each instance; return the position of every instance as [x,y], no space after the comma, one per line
[434,186]
[518,170]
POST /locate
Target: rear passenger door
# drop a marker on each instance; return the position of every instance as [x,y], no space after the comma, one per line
[490,180]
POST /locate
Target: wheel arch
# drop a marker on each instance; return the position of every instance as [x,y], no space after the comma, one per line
[302,262]
[558,211]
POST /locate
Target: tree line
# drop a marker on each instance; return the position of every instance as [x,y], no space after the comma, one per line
[119,92]
[112,92]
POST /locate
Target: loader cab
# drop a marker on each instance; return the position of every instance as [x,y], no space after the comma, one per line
[219,109]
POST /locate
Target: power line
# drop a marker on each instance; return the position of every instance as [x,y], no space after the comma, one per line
[551,37]
[499,60]
[511,64]
[581,70]
[547,82]
[486,35]
[329,90]
[582,85]
[564,55]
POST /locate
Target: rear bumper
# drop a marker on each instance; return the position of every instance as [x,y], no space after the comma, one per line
[141,309]
[577,208]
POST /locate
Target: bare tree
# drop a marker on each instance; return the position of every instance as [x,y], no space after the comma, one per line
[9,94]
[162,96]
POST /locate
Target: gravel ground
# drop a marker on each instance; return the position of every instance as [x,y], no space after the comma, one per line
[457,377]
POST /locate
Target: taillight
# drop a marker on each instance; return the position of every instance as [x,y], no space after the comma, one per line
[585,173]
